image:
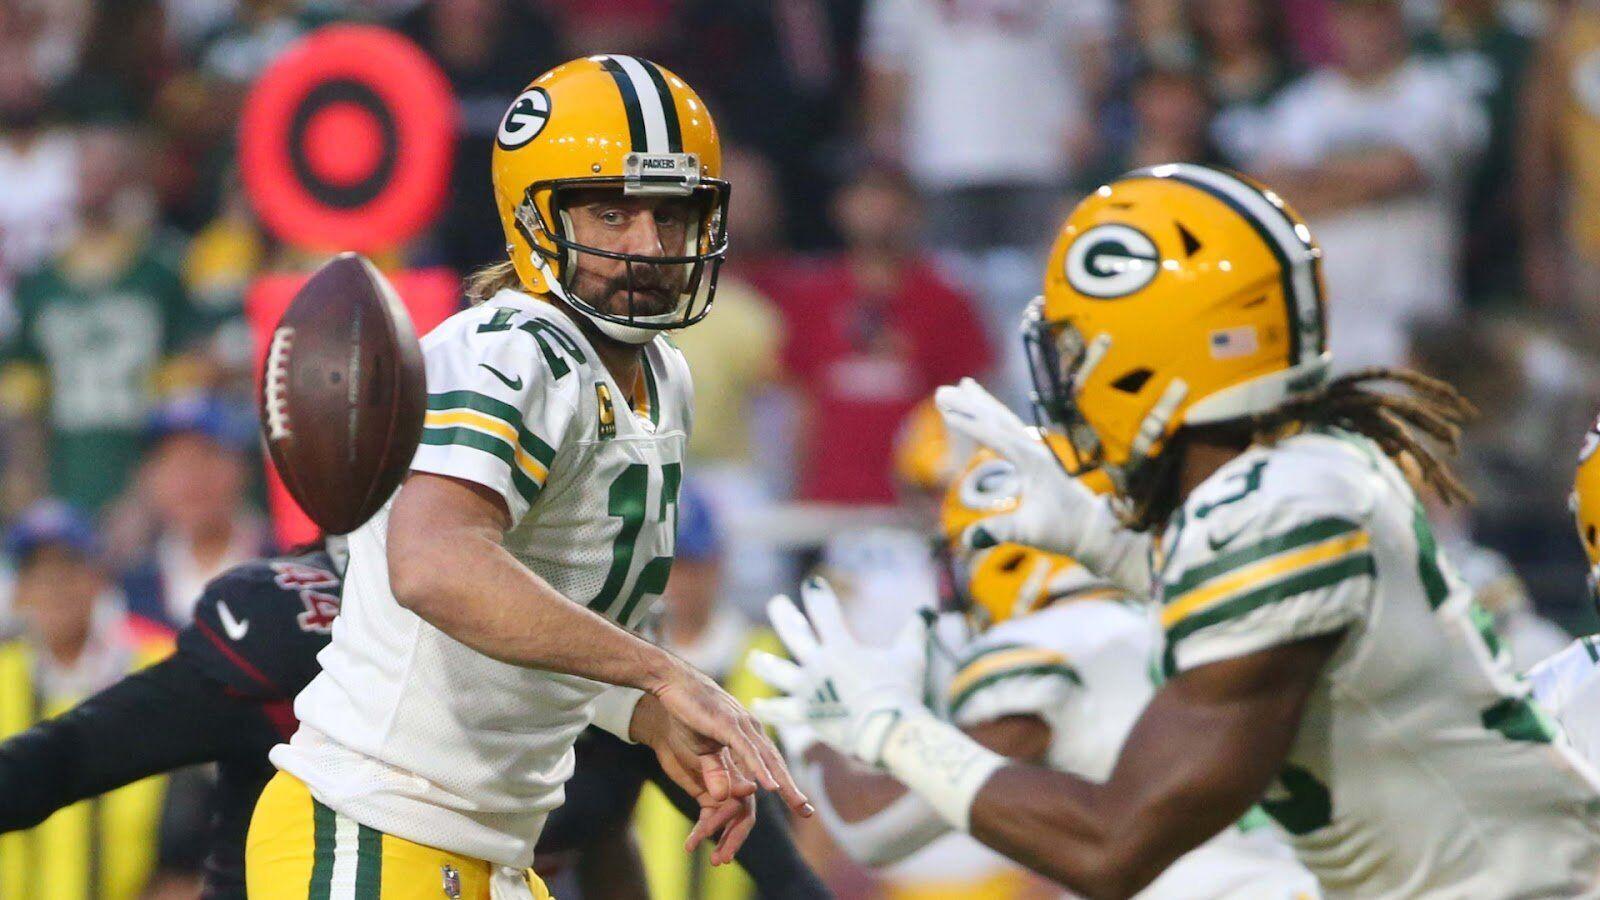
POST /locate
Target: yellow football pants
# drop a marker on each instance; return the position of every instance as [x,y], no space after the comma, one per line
[299,849]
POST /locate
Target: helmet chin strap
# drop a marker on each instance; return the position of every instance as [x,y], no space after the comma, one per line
[627,334]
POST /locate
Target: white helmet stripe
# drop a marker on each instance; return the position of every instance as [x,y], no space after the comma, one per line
[650,104]
[1293,244]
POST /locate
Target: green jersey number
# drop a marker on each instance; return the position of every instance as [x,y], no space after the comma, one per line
[102,358]
[628,501]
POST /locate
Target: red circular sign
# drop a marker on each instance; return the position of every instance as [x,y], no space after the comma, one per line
[346,140]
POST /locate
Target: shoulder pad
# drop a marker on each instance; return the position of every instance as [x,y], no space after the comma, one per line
[259,626]
[1322,473]
[1557,678]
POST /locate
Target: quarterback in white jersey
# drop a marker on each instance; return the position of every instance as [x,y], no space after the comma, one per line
[489,607]
[1319,656]
[1061,667]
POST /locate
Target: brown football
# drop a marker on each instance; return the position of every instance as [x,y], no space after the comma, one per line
[343,394]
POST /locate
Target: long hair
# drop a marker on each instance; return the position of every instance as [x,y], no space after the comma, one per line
[1418,427]
[491,280]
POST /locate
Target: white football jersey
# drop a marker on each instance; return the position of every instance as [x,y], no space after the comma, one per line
[1420,768]
[407,730]
[1567,685]
[1085,668]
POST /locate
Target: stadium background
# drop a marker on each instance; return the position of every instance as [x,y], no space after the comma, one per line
[898,168]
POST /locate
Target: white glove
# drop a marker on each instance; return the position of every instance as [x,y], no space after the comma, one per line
[848,693]
[863,702]
[1056,513]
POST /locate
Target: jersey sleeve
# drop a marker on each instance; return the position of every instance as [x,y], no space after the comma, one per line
[1556,679]
[496,411]
[1263,572]
[998,679]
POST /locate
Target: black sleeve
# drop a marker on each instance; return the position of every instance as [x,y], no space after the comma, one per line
[600,795]
[186,813]
[769,855]
[163,717]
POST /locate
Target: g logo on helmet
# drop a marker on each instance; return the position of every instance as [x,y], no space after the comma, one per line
[524,120]
[1110,261]
[991,485]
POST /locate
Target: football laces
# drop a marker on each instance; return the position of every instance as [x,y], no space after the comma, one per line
[275,384]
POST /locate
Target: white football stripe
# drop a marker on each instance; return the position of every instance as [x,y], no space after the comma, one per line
[1295,249]
[345,834]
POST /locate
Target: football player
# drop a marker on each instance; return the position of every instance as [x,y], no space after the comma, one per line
[1319,656]
[488,607]
[225,696]
[1057,675]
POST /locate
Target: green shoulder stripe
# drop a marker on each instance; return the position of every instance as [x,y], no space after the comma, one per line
[1044,670]
[650,389]
[477,440]
[1299,582]
[1309,533]
[499,409]
[971,656]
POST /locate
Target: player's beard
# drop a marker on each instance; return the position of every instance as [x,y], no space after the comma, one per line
[654,290]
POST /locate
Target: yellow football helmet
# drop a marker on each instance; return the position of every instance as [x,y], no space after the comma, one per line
[926,454]
[1005,580]
[1175,295]
[1585,504]
[619,122]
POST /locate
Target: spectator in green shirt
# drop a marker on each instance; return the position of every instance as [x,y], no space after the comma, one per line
[100,327]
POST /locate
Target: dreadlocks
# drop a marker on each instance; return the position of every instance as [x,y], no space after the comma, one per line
[1396,421]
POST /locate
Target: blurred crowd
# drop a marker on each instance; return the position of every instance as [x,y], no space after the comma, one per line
[898,169]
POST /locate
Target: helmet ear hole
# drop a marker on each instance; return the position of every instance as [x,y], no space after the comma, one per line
[1589,534]
[1191,244]
[1132,382]
[1012,562]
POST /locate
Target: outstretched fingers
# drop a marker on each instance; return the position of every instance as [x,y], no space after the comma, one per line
[781,710]
[793,629]
[972,411]
[733,835]
[822,608]
[780,780]
[776,671]
[729,823]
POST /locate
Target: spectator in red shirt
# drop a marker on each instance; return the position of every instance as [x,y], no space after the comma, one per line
[871,331]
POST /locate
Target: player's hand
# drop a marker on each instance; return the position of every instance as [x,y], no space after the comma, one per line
[1056,512]
[1053,503]
[706,772]
[848,693]
[698,705]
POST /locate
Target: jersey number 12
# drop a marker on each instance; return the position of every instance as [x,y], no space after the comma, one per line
[628,501]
